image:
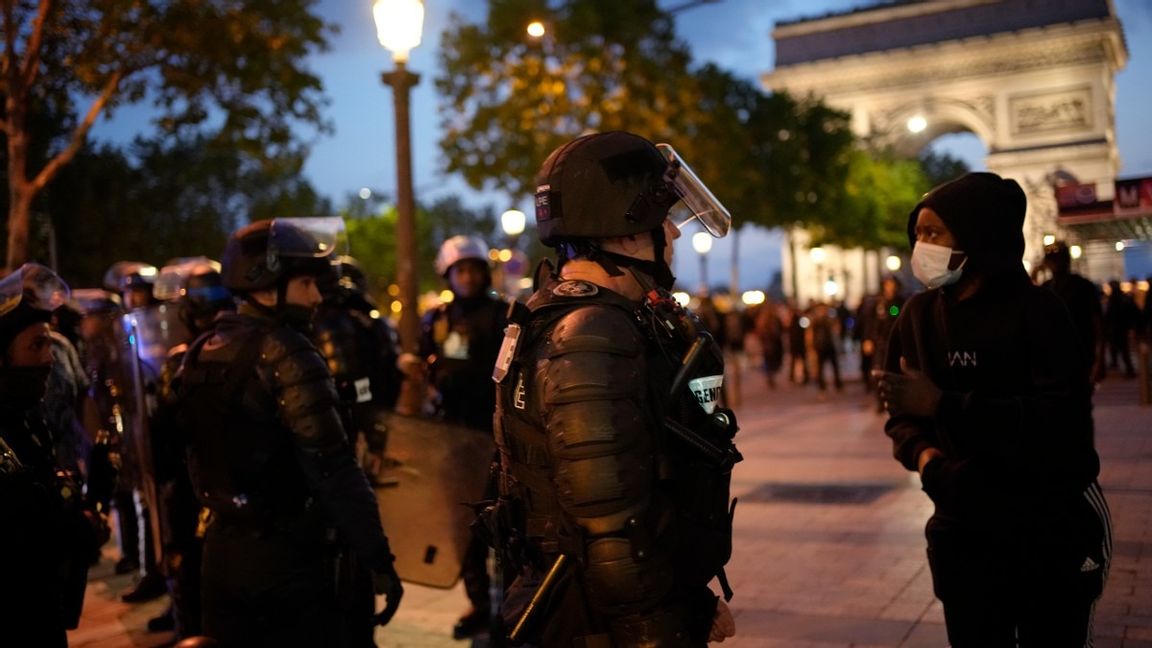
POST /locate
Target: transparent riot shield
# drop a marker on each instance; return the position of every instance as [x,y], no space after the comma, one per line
[425,485]
[149,334]
[109,385]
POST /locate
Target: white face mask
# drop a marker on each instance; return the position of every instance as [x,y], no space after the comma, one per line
[930,265]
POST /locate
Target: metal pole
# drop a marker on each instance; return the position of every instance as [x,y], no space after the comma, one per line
[734,271]
[704,273]
[401,81]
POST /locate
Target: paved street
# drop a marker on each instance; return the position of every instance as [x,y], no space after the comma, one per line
[829,547]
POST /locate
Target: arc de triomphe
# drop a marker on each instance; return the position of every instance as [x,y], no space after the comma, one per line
[1033,80]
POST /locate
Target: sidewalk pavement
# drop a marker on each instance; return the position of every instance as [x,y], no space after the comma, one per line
[828,545]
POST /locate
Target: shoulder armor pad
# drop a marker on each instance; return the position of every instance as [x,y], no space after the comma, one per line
[594,353]
[280,342]
[596,328]
[292,358]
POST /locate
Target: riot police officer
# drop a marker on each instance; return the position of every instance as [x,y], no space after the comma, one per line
[48,540]
[361,348]
[459,341]
[134,282]
[269,457]
[196,288]
[460,338]
[616,458]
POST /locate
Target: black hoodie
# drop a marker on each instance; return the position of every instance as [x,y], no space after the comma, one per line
[1015,419]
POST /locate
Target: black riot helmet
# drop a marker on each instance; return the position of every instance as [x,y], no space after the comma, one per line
[267,253]
[126,275]
[28,296]
[600,186]
[618,184]
[196,283]
[614,184]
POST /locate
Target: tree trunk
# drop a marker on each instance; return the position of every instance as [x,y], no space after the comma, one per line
[19,209]
[20,191]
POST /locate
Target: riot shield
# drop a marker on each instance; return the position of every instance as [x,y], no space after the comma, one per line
[108,387]
[425,485]
[150,333]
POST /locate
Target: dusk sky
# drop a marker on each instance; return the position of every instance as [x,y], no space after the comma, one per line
[735,34]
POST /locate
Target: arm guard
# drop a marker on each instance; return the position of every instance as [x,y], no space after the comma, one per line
[602,440]
[309,407]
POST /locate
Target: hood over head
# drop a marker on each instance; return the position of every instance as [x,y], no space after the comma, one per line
[985,213]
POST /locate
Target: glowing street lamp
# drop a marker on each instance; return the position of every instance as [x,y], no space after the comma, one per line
[893,263]
[702,243]
[398,27]
[513,222]
[917,124]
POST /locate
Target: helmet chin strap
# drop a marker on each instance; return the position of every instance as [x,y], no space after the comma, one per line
[612,262]
[655,268]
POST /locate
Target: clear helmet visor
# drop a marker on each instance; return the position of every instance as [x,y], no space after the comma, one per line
[172,277]
[35,284]
[308,237]
[696,200]
[115,278]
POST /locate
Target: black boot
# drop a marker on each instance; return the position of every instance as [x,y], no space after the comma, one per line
[151,586]
[166,622]
[471,624]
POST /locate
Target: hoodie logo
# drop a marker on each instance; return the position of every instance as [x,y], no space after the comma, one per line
[962,358]
[707,391]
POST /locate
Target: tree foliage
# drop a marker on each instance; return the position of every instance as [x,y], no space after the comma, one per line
[879,189]
[160,199]
[372,238]
[941,167]
[606,65]
[231,69]
[773,159]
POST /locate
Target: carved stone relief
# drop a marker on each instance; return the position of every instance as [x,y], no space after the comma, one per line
[1059,111]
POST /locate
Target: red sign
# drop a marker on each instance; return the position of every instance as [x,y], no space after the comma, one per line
[1134,195]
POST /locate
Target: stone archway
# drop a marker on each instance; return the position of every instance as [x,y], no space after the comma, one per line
[1034,81]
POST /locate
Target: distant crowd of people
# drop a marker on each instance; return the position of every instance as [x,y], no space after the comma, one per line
[806,346]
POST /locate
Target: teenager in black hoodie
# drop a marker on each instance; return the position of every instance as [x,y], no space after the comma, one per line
[990,403]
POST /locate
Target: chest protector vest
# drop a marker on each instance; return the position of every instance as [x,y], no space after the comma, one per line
[240,456]
[694,434]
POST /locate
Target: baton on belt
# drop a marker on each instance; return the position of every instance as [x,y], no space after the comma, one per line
[545,587]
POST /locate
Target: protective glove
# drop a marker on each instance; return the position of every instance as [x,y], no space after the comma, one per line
[910,392]
[386,582]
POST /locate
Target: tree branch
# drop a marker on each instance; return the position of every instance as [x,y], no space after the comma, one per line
[31,65]
[11,71]
[79,134]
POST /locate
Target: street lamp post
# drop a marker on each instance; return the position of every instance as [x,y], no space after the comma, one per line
[818,256]
[512,222]
[702,243]
[398,27]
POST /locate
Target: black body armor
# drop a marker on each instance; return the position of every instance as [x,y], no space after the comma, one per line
[267,443]
[48,541]
[361,351]
[461,339]
[615,456]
